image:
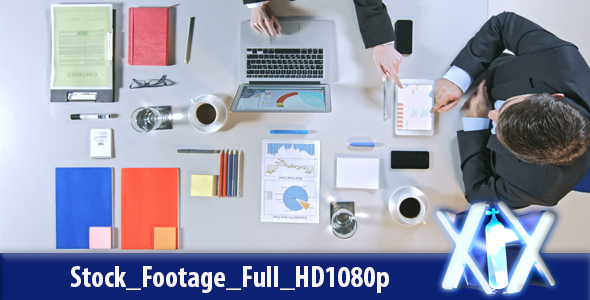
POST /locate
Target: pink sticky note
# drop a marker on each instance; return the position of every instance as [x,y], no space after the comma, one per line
[100,237]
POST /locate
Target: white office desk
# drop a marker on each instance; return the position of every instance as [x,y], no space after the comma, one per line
[37,136]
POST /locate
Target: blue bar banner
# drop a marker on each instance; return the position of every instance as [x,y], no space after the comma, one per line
[281,276]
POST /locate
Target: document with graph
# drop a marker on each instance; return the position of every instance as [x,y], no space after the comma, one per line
[290,181]
[412,107]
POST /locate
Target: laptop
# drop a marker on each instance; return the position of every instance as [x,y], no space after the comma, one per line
[286,73]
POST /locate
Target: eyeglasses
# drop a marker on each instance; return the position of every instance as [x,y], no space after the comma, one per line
[136,84]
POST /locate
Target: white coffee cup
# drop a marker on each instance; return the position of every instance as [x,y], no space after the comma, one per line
[207,113]
[408,206]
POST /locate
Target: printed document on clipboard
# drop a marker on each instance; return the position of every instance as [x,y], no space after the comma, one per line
[82,47]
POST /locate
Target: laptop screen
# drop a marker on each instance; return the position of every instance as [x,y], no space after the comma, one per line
[282,98]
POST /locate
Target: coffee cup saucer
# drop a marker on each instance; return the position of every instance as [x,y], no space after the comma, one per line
[407,192]
[220,110]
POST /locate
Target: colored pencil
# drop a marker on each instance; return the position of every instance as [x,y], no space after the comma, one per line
[220,177]
[235,175]
[229,172]
[223,189]
[239,185]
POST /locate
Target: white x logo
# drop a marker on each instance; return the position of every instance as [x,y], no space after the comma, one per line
[530,256]
[465,239]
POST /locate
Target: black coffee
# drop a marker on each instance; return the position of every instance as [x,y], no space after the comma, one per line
[410,208]
[206,114]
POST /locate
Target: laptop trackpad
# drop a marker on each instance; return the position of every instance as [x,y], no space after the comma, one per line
[289,34]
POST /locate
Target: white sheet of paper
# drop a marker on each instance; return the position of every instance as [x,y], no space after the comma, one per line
[357,173]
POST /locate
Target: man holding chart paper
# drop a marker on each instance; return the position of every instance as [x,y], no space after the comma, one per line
[537,150]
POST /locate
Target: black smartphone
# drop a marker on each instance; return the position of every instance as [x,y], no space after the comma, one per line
[403,36]
[410,159]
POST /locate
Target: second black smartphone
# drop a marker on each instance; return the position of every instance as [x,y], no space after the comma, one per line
[403,36]
[410,159]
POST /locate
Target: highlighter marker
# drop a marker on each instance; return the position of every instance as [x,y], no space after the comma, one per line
[89,116]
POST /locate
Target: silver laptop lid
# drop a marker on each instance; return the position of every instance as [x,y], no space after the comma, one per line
[300,54]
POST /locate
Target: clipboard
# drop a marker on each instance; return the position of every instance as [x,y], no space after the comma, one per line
[82,47]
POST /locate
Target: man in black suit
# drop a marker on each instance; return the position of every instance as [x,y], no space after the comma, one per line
[374,23]
[538,149]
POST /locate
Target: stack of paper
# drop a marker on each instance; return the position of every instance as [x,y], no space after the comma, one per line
[358,173]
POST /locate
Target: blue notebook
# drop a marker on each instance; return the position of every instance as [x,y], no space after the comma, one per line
[83,199]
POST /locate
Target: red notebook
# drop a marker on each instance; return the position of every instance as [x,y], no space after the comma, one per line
[148,36]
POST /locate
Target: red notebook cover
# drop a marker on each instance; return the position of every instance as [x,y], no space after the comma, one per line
[148,36]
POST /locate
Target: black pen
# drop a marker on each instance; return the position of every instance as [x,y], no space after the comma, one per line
[197,151]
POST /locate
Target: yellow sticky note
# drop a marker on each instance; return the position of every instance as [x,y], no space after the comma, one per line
[203,185]
[165,238]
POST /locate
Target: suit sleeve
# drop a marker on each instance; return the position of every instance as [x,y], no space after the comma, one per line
[504,31]
[475,163]
[251,1]
[374,22]
[481,183]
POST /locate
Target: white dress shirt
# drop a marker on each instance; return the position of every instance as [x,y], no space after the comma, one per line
[257,4]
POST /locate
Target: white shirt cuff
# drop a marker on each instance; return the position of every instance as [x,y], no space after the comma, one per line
[497,105]
[459,77]
[257,4]
[473,124]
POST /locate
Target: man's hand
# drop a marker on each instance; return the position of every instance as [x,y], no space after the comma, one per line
[387,61]
[446,95]
[478,105]
[264,20]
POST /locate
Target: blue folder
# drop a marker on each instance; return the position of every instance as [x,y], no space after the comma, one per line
[83,199]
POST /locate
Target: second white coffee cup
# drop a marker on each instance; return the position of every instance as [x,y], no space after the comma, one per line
[408,206]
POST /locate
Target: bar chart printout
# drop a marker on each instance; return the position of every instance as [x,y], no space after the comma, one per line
[290,181]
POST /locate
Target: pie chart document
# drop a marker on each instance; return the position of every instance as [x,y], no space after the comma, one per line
[290,181]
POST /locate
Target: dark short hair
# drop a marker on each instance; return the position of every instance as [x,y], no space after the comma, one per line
[543,129]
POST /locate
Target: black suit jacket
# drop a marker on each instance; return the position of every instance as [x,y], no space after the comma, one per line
[542,63]
[251,1]
[374,22]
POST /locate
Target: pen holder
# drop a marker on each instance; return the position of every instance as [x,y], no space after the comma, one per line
[207,113]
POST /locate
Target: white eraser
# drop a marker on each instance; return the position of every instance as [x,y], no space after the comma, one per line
[101,143]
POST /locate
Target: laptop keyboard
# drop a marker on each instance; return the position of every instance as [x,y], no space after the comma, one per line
[285,63]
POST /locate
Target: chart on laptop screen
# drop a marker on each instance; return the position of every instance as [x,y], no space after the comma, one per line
[272,98]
